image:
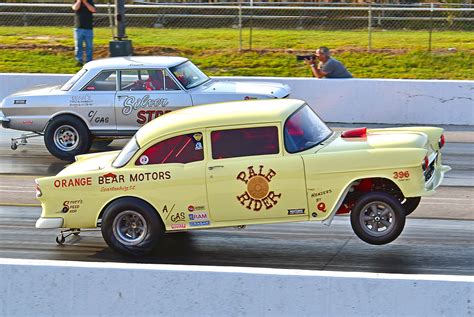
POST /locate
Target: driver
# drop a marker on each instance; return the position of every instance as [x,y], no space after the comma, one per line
[154,81]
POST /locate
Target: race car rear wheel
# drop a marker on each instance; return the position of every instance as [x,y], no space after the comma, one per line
[67,136]
[377,218]
[410,204]
[131,226]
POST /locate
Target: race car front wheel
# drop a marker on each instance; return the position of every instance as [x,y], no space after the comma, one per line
[131,226]
[378,218]
[67,136]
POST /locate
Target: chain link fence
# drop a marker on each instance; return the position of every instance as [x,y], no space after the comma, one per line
[373,19]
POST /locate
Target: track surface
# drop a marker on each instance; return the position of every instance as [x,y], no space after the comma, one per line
[430,246]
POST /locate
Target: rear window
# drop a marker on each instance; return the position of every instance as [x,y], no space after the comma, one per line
[304,130]
[244,142]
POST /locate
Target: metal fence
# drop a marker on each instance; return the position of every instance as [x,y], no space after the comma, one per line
[370,18]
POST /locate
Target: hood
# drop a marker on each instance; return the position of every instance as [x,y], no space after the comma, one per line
[379,139]
[36,90]
[90,162]
[273,89]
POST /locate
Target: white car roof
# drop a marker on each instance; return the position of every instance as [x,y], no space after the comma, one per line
[135,62]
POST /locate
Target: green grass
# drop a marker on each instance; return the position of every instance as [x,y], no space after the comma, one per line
[395,54]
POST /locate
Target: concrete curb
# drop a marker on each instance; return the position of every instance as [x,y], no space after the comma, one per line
[49,288]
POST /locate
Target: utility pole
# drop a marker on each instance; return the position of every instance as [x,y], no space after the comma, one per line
[120,46]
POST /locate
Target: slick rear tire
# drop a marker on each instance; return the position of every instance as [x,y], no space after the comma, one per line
[67,136]
[131,226]
[378,218]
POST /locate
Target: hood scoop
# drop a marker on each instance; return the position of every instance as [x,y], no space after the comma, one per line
[355,133]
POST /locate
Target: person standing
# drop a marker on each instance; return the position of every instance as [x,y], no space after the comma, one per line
[83,29]
[327,67]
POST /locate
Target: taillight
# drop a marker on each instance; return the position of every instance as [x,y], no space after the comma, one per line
[37,189]
[426,163]
[441,141]
[355,133]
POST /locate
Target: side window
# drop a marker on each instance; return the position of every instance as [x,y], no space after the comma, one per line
[244,142]
[179,149]
[170,84]
[105,81]
[144,79]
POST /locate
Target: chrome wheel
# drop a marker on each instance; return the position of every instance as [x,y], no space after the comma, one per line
[66,138]
[377,218]
[129,227]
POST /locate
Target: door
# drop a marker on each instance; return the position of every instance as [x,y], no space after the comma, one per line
[175,170]
[249,179]
[144,95]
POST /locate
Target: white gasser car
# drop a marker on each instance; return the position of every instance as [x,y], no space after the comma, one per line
[114,97]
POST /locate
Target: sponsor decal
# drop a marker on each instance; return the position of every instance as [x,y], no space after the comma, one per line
[144,160]
[71,206]
[118,188]
[199,223]
[321,207]
[258,193]
[19,102]
[94,118]
[322,193]
[81,101]
[73,182]
[192,208]
[111,178]
[197,137]
[296,211]
[198,146]
[178,226]
[198,216]
[28,122]
[178,217]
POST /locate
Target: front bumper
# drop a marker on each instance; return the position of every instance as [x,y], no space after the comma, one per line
[49,223]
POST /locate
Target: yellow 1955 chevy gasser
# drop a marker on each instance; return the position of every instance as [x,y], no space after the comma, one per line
[242,163]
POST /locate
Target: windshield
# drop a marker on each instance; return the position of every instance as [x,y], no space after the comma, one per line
[74,79]
[304,130]
[189,75]
[127,153]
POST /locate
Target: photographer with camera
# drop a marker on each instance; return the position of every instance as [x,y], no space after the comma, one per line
[327,67]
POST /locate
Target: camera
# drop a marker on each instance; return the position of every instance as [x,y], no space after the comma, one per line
[303,57]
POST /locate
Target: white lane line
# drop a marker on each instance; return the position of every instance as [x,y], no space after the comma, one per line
[17,191]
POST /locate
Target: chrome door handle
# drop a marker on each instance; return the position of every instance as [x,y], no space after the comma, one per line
[216,166]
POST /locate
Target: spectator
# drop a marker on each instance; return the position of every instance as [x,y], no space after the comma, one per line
[327,67]
[83,32]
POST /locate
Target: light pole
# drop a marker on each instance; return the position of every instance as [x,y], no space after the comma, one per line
[120,46]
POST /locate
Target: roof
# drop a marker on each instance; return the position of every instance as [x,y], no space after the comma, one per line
[219,114]
[136,62]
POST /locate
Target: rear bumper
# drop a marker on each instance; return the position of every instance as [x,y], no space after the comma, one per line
[49,223]
[4,121]
[437,177]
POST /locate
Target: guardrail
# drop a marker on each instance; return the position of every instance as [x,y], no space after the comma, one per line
[50,288]
[390,101]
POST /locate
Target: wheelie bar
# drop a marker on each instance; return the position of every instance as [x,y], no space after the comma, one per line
[22,139]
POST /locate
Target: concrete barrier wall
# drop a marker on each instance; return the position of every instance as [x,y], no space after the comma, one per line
[388,101]
[55,288]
